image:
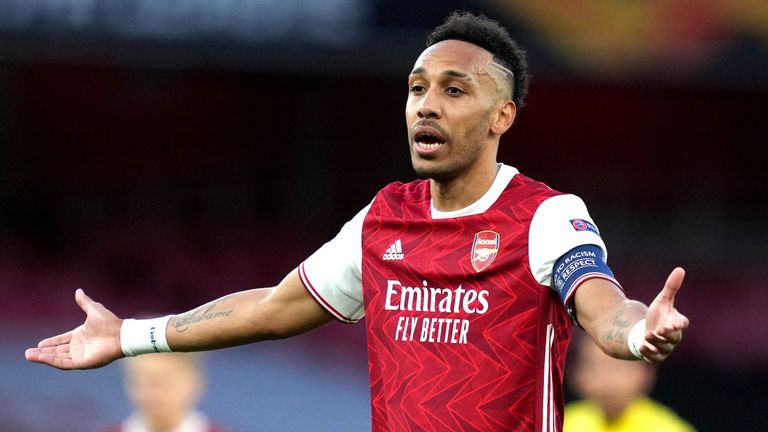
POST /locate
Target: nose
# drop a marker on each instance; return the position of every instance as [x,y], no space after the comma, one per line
[429,105]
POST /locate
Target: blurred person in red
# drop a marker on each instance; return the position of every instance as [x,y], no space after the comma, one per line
[615,395]
[469,279]
[164,390]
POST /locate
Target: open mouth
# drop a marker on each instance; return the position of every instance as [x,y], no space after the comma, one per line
[428,139]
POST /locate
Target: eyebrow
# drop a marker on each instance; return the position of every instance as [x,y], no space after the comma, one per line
[449,72]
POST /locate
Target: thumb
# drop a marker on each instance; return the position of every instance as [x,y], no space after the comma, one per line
[674,281]
[83,300]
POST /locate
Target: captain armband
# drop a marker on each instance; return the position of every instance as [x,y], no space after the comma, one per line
[144,336]
[574,268]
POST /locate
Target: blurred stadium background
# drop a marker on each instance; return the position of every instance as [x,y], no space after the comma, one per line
[161,154]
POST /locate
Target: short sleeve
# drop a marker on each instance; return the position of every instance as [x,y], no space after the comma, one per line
[333,275]
[560,224]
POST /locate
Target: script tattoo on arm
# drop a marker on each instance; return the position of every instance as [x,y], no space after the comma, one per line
[618,332]
[206,312]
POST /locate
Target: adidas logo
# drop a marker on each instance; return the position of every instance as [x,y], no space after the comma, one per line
[394,252]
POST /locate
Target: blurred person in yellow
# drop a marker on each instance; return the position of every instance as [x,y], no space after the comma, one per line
[615,395]
[164,390]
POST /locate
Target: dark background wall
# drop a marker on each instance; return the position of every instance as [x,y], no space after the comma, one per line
[159,174]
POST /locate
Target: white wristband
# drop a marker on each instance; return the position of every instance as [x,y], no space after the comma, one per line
[144,336]
[636,338]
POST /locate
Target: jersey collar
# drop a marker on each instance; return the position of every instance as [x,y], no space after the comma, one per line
[503,177]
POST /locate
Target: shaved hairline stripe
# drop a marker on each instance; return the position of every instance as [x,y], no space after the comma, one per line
[507,71]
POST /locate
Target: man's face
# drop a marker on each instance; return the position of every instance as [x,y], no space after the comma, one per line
[611,383]
[454,92]
[163,388]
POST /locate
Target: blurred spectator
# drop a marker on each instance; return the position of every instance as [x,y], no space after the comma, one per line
[164,390]
[615,395]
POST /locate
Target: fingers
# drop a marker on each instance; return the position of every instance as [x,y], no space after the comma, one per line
[58,357]
[60,361]
[61,339]
[674,322]
[679,322]
[47,351]
[658,348]
[660,343]
[652,354]
[665,343]
[674,281]
[670,330]
[32,354]
[53,351]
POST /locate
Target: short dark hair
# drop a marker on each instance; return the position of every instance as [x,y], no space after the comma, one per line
[491,36]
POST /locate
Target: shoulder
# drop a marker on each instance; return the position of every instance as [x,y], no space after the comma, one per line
[398,199]
[417,189]
[522,191]
[664,417]
[522,180]
[581,407]
[562,203]
[582,415]
[546,200]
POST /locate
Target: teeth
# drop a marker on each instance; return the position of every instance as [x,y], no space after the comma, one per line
[429,146]
[428,137]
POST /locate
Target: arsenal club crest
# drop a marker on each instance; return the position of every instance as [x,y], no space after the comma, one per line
[484,249]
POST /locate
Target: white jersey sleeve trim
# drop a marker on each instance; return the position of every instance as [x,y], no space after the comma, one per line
[333,274]
[552,234]
[587,277]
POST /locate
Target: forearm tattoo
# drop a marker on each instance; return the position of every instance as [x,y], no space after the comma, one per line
[618,331]
[204,313]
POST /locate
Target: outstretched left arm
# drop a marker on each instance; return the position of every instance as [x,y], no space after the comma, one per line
[608,316]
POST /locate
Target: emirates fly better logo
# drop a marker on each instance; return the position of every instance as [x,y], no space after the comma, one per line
[484,249]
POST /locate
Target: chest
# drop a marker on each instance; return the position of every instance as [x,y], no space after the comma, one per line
[460,250]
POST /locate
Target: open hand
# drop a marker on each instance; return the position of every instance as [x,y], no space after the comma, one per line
[93,344]
[664,324]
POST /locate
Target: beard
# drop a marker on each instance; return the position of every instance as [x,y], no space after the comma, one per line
[462,154]
[456,163]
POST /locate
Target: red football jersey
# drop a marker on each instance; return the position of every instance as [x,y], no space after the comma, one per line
[463,334]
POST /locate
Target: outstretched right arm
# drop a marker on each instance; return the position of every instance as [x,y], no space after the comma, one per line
[236,319]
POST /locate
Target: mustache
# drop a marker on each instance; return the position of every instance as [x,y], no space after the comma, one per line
[432,124]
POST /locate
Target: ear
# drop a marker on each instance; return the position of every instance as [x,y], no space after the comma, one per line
[505,116]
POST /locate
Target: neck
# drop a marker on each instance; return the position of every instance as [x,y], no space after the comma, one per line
[461,191]
[166,424]
[614,409]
